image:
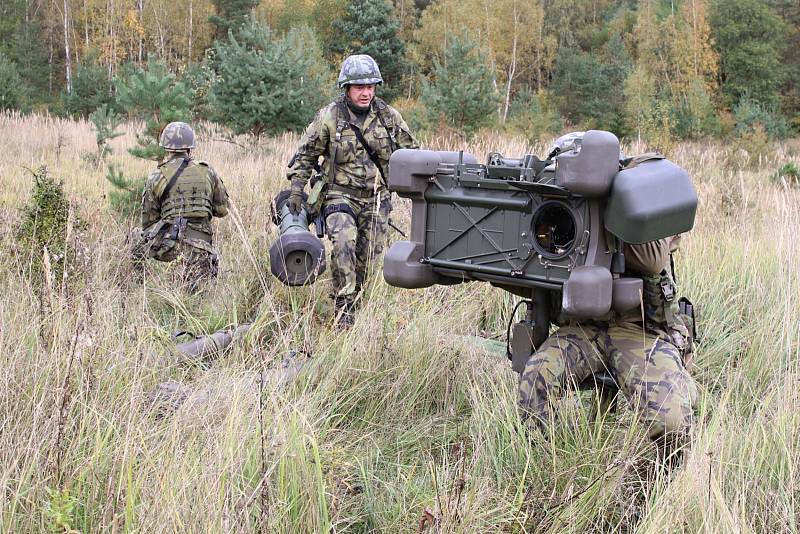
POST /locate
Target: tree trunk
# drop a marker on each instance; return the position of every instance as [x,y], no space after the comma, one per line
[67,58]
[111,18]
[140,7]
[512,68]
[50,65]
[86,23]
[191,12]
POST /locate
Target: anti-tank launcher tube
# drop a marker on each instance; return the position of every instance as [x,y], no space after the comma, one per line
[204,349]
[297,257]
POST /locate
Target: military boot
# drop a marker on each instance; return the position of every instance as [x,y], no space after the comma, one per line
[345,315]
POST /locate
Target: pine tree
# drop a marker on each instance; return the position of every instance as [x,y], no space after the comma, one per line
[11,92]
[587,89]
[230,16]
[462,94]
[268,84]
[22,41]
[369,27]
[105,122]
[155,97]
[91,89]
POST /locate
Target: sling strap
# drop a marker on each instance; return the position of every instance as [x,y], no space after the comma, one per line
[174,179]
[370,152]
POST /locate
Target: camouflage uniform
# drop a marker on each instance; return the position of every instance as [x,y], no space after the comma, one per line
[178,226]
[646,359]
[357,203]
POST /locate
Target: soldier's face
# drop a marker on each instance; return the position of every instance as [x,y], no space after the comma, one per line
[361,95]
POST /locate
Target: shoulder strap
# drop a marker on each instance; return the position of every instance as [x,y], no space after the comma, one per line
[380,105]
[339,117]
[174,179]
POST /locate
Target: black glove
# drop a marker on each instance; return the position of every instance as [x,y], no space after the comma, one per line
[295,201]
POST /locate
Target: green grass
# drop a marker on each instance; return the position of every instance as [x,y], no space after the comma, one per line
[397,423]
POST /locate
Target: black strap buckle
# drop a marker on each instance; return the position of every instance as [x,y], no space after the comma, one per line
[668,290]
[178,228]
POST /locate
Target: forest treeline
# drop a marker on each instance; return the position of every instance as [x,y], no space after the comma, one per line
[660,70]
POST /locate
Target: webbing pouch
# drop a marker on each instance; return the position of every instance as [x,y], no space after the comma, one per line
[687,309]
[178,228]
[316,196]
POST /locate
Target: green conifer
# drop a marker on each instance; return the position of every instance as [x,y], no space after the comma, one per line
[369,27]
[154,96]
[230,16]
[11,92]
[105,122]
[266,83]
[461,93]
[91,89]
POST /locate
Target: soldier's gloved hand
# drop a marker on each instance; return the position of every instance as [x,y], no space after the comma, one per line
[295,201]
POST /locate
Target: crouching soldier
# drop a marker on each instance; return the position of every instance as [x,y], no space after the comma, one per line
[179,200]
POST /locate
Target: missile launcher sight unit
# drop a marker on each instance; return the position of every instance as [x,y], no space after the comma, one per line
[550,230]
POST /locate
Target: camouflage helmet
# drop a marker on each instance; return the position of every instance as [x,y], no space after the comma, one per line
[177,136]
[359,69]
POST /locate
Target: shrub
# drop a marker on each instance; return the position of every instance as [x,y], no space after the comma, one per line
[749,113]
[788,175]
[48,222]
[695,116]
[532,115]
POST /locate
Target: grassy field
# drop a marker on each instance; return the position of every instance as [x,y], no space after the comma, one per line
[398,425]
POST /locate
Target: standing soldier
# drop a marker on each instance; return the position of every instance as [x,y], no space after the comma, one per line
[355,135]
[179,200]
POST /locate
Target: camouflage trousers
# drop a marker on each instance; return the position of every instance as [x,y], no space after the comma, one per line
[357,231]
[647,368]
[196,263]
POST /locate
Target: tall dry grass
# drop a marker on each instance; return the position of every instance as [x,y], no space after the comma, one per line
[398,425]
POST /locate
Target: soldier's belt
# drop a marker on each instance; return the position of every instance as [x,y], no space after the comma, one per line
[353,192]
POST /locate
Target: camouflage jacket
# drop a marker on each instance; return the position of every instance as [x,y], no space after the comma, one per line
[383,129]
[661,312]
[198,195]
